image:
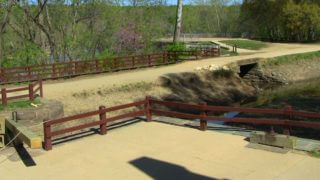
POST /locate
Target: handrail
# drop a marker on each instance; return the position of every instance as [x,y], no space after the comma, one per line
[31,88]
[203,116]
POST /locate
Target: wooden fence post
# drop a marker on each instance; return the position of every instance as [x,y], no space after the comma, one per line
[31,93]
[149,60]
[2,75]
[103,120]
[4,97]
[175,56]
[163,57]
[53,70]
[29,72]
[97,65]
[147,108]
[288,112]
[203,122]
[114,64]
[133,62]
[41,88]
[47,138]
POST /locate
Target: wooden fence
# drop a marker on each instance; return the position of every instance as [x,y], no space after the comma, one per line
[32,89]
[76,68]
[102,122]
[149,109]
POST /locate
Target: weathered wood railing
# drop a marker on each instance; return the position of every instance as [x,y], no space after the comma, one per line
[150,108]
[102,122]
[76,68]
[33,89]
[205,109]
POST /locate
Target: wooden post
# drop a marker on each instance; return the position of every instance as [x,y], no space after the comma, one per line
[53,70]
[288,112]
[149,60]
[41,88]
[97,65]
[103,120]
[163,57]
[2,75]
[203,122]
[114,63]
[132,62]
[147,108]
[31,93]
[29,73]
[47,137]
[4,97]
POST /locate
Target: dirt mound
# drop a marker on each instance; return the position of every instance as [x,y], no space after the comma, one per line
[222,87]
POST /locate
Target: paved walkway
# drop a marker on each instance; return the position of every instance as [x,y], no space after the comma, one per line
[160,151]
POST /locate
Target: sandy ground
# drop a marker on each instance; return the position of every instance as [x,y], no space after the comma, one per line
[159,151]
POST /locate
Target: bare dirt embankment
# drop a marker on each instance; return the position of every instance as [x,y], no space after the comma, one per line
[88,92]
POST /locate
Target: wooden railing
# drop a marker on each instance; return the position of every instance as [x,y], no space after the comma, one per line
[76,68]
[102,122]
[149,109]
[32,91]
[205,109]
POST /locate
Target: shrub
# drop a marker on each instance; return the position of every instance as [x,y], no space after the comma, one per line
[177,47]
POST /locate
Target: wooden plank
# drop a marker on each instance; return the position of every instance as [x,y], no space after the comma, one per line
[127,115]
[18,97]
[17,89]
[177,104]
[33,140]
[74,117]
[114,108]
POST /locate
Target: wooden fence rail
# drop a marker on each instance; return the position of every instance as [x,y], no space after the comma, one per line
[33,90]
[149,109]
[102,122]
[76,68]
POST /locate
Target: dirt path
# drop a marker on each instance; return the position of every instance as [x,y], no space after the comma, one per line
[64,90]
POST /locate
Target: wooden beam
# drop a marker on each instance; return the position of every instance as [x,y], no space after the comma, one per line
[33,140]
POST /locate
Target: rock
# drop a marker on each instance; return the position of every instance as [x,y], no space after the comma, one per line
[50,109]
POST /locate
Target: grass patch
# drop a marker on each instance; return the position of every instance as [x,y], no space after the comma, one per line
[315,153]
[246,44]
[224,51]
[292,58]
[20,104]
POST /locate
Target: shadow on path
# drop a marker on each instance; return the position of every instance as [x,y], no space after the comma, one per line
[157,169]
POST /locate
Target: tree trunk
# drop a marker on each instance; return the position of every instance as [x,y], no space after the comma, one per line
[177,29]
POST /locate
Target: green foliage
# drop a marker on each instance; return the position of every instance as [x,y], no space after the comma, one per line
[20,104]
[315,153]
[292,58]
[29,54]
[246,44]
[105,54]
[289,20]
[177,47]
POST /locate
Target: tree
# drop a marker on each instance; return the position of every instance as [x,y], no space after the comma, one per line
[177,30]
